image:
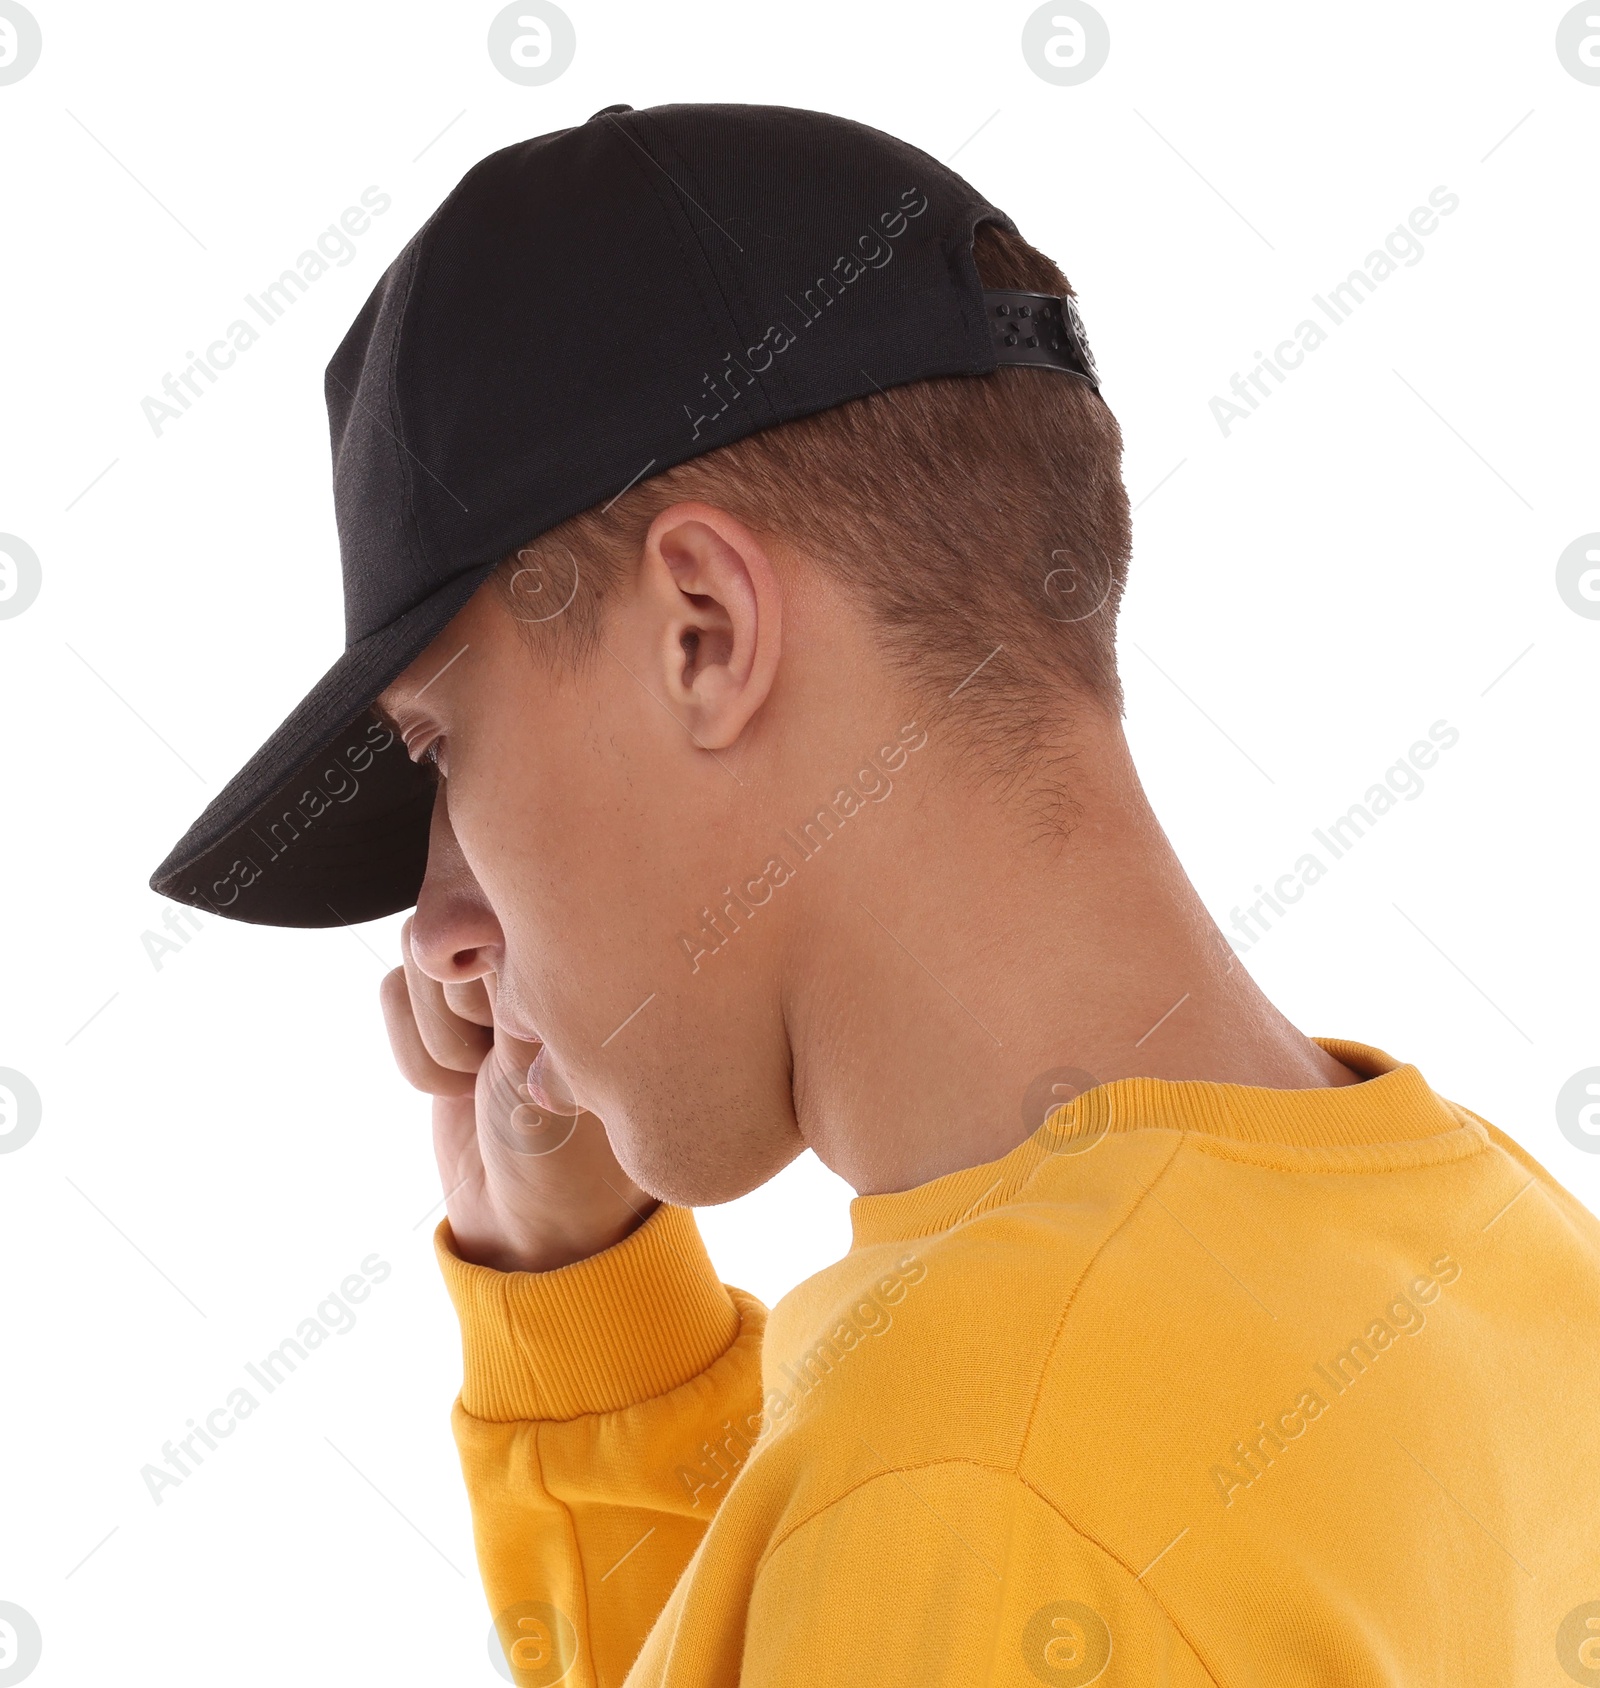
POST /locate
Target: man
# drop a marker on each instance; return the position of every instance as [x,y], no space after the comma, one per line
[733,536]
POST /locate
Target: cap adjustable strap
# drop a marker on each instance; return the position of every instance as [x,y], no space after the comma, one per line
[1041,329]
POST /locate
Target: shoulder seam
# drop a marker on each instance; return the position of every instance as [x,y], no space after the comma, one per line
[1071,1300]
[1022,1483]
[1154,1599]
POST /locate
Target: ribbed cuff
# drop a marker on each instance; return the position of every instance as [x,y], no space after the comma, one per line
[629,1323]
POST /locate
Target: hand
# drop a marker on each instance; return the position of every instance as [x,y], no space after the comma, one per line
[526,1189]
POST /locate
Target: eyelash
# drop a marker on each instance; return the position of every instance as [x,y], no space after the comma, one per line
[428,759]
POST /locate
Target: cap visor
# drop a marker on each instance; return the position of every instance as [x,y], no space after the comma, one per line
[327,824]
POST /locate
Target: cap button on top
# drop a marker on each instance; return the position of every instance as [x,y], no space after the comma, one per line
[605,111]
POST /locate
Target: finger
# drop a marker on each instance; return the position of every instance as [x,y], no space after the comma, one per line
[469,1000]
[450,1040]
[513,1055]
[455,1147]
[417,1066]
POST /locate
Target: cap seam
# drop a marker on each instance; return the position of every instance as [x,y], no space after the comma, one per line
[411,523]
[680,223]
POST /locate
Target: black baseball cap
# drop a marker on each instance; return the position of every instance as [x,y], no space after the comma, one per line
[586,309]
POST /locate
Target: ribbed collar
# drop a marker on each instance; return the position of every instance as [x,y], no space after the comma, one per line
[1391,1105]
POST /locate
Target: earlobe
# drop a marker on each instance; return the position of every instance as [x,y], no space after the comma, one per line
[720,633]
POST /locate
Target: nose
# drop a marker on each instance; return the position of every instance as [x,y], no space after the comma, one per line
[455,936]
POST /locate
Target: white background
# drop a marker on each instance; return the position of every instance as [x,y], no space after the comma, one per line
[224,1138]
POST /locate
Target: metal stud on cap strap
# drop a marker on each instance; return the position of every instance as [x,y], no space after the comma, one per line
[1041,329]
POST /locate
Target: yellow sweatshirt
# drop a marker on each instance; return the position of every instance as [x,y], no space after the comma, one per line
[1201,1384]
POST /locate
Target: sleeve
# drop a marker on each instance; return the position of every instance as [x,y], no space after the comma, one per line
[602,1411]
[954,1575]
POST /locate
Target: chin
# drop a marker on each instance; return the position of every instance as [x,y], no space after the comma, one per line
[696,1171]
[693,1187]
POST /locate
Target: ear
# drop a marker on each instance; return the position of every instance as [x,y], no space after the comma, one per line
[717,608]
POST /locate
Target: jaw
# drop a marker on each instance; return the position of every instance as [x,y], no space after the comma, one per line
[699,1146]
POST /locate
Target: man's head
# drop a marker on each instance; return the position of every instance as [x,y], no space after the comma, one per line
[728,491]
[680,739]
[589,312]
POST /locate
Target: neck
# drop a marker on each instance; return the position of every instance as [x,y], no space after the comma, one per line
[964,959]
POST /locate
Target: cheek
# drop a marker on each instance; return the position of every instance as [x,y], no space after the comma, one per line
[522,821]
[565,848]
[594,847]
